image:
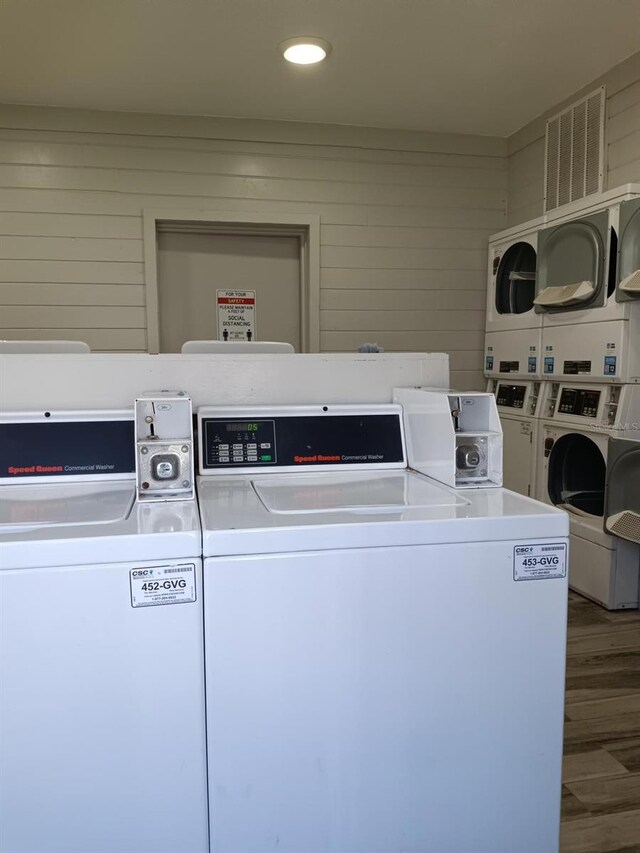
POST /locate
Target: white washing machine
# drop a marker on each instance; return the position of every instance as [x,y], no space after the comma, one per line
[519,405]
[572,468]
[373,643]
[513,327]
[589,332]
[102,699]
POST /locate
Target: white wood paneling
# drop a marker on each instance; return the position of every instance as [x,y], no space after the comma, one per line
[404,218]
[197,127]
[353,257]
[28,293]
[456,300]
[80,317]
[69,225]
[622,140]
[401,321]
[199,185]
[621,124]
[463,379]
[69,249]
[361,153]
[380,300]
[334,169]
[95,272]
[627,174]
[404,279]
[625,150]
[405,238]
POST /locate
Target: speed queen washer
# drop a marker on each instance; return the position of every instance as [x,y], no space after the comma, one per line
[101,659]
[384,654]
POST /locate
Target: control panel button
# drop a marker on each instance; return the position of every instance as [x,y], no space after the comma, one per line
[234,443]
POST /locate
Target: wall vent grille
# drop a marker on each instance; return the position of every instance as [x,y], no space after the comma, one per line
[574,151]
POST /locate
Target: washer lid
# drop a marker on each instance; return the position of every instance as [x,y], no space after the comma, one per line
[285,513]
[44,525]
[393,492]
[64,505]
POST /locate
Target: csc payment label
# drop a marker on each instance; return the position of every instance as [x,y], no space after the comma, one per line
[540,561]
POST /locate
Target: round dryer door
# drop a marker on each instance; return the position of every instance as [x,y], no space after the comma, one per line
[516,279]
[571,270]
[629,252]
[577,474]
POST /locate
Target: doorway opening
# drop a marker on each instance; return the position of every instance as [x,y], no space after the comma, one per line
[222,277]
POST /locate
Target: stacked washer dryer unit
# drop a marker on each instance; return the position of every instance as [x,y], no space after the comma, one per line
[591,349]
[101,659]
[513,349]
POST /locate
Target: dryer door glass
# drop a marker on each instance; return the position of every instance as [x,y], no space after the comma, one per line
[577,473]
[571,269]
[516,279]
[629,252]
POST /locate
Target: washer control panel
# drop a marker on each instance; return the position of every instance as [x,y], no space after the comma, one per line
[239,442]
[289,438]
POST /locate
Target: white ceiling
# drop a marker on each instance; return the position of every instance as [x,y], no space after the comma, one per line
[469,66]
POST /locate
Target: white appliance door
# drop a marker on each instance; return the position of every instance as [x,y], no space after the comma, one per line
[384,699]
[517,437]
[102,713]
[629,252]
[571,264]
[515,281]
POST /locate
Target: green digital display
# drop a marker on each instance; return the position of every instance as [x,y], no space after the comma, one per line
[245,427]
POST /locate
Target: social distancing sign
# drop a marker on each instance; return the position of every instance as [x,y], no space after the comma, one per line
[236,315]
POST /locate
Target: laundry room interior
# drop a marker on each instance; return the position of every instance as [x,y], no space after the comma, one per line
[396,245]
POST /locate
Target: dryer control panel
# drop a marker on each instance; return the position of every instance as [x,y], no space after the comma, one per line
[291,438]
[579,401]
[511,396]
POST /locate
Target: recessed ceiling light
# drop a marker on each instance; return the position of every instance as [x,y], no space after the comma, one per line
[305,50]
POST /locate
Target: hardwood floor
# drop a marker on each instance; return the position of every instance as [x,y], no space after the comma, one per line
[601,770]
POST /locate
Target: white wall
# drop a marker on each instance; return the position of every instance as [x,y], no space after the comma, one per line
[404,221]
[36,383]
[622,143]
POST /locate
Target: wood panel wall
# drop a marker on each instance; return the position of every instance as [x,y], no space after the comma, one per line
[622,142]
[405,219]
